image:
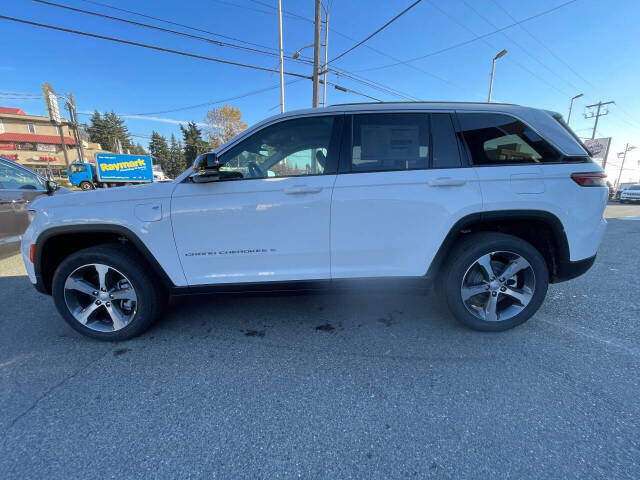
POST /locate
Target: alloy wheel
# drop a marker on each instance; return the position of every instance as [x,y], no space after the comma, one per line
[100,297]
[498,286]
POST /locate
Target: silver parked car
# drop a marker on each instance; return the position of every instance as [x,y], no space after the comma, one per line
[19,186]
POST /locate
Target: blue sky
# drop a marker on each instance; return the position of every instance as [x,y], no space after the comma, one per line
[586,47]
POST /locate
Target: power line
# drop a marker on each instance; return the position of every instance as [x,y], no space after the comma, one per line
[376,32]
[466,42]
[169,22]
[526,30]
[214,102]
[512,40]
[371,84]
[151,47]
[161,29]
[486,42]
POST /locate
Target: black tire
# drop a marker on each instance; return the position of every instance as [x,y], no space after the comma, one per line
[151,300]
[464,256]
[86,186]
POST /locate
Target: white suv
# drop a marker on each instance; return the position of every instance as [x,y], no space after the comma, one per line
[491,201]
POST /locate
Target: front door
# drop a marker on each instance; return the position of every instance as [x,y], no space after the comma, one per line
[267,218]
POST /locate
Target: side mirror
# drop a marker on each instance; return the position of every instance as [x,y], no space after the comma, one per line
[205,168]
[51,186]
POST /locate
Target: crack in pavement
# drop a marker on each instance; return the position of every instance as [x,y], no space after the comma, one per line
[52,389]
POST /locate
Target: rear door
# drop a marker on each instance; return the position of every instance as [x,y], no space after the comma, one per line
[401,187]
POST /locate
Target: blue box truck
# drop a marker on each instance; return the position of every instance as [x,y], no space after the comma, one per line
[111,170]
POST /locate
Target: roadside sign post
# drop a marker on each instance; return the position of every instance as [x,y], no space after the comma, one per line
[54,115]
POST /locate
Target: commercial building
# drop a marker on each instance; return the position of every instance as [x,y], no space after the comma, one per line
[34,141]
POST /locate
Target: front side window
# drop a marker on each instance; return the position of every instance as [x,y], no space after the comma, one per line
[290,148]
[31,127]
[12,178]
[390,141]
[495,139]
[75,168]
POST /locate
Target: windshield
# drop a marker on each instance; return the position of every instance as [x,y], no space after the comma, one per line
[634,187]
[78,167]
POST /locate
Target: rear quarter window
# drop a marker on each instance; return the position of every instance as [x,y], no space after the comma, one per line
[498,139]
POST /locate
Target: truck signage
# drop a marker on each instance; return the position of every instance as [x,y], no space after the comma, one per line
[127,168]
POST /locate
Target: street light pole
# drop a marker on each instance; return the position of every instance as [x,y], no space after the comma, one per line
[281,57]
[627,148]
[326,58]
[316,53]
[571,106]
[493,69]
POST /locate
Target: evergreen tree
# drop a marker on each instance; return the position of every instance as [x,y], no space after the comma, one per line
[177,162]
[194,145]
[138,149]
[108,130]
[159,151]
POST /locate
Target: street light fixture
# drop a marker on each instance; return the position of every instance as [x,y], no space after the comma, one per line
[296,55]
[493,68]
[571,106]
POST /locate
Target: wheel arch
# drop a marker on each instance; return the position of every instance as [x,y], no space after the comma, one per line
[57,243]
[542,229]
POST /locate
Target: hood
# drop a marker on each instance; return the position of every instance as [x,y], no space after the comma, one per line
[130,193]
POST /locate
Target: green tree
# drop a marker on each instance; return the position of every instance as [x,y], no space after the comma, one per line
[177,162]
[108,130]
[224,123]
[138,149]
[194,145]
[159,150]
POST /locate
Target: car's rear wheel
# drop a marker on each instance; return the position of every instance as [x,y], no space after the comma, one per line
[495,281]
[106,292]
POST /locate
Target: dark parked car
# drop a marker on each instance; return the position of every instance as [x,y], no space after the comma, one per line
[19,186]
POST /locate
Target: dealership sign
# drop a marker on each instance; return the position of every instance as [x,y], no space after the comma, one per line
[598,147]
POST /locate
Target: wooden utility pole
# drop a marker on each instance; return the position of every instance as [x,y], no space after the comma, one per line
[74,119]
[597,115]
[316,53]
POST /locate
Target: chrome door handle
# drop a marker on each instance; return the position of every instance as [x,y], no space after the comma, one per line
[446,182]
[302,189]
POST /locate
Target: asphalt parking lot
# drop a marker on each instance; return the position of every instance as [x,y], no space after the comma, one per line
[331,386]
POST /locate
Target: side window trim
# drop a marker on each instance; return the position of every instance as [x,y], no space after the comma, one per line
[465,154]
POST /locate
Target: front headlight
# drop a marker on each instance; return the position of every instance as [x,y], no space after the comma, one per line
[30,215]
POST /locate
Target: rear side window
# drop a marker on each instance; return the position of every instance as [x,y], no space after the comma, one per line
[390,141]
[445,145]
[495,139]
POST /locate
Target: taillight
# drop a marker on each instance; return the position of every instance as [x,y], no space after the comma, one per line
[32,252]
[590,179]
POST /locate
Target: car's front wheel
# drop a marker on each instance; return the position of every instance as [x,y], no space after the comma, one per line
[106,292]
[86,186]
[495,281]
